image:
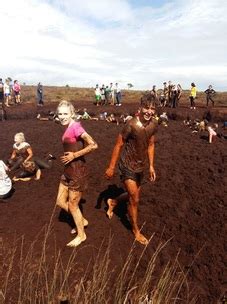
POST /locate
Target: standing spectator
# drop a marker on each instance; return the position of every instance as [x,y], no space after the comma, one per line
[117,94]
[7,92]
[192,96]
[97,95]
[103,95]
[209,94]
[169,101]
[1,91]
[154,94]
[107,95]
[165,92]
[179,93]
[173,96]
[39,94]
[16,90]
[112,94]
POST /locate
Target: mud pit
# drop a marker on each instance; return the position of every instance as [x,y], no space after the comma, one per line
[186,205]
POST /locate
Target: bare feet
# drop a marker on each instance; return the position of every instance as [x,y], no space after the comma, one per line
[74,231]
[141,239]
[111,204]
[77,241]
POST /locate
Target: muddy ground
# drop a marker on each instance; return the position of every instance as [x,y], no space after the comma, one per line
[186,205]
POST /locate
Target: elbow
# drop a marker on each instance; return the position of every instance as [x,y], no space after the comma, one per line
[95,146]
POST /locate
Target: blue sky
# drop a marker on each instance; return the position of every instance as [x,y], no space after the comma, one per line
[81,43]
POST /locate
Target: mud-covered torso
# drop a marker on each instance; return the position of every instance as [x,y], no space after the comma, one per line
[72,142]
[21,150]
[136,139]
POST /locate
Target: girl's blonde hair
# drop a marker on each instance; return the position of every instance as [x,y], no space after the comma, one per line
[21,136]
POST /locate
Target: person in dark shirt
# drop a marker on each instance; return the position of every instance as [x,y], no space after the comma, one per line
[40,94]
[134,145]
[209,95]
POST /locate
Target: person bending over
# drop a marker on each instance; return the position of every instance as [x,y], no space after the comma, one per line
[76,144]
[134,145]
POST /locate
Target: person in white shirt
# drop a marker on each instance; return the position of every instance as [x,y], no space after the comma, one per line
[6,89]
[5,181]
[118,94]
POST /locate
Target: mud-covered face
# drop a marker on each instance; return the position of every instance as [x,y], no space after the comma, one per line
[146,113]
[18,140]
[64,115]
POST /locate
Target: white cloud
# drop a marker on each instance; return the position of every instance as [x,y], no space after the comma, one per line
[99,41]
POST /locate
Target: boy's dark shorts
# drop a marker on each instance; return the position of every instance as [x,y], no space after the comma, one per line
[126,173]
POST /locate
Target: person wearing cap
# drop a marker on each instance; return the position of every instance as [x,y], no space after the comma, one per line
[134,145]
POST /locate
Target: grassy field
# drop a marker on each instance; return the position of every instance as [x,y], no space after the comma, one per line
[55,94]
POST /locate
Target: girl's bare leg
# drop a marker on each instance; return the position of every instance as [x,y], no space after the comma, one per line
[62,198]
[74,199]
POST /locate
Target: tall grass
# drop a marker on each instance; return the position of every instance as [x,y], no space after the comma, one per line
[31,276]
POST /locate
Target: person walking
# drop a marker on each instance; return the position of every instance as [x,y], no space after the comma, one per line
[76,143]
[134,145]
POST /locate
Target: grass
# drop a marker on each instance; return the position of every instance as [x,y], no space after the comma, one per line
[38,276]
[55,94]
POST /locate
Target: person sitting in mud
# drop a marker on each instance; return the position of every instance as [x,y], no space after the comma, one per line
[212,130]
[112,118]
[163,119]
[6,188]
[125,117]
[29,170]
[86,116]
[51,116]
[22,157]
[136,141]
[76,143]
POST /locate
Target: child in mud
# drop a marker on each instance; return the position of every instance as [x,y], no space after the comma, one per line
[76,143]
[112,118]
[210,92]
[134,145]
[22,157]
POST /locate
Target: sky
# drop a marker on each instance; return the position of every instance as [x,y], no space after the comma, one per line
[142,42]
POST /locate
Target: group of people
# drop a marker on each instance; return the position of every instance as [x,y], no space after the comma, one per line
[134,145]
[9,90]
[105,95]
[171,94]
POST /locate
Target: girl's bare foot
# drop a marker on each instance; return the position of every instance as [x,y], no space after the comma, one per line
[77,241]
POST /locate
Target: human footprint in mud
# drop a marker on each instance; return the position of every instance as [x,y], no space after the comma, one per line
[134,145]
[76,143]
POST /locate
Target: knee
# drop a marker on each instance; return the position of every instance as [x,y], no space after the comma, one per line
[73,206]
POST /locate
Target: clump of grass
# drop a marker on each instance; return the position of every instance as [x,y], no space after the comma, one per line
[36,277]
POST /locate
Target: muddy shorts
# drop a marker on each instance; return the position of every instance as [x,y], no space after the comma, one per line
[126,173]
[76,184]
